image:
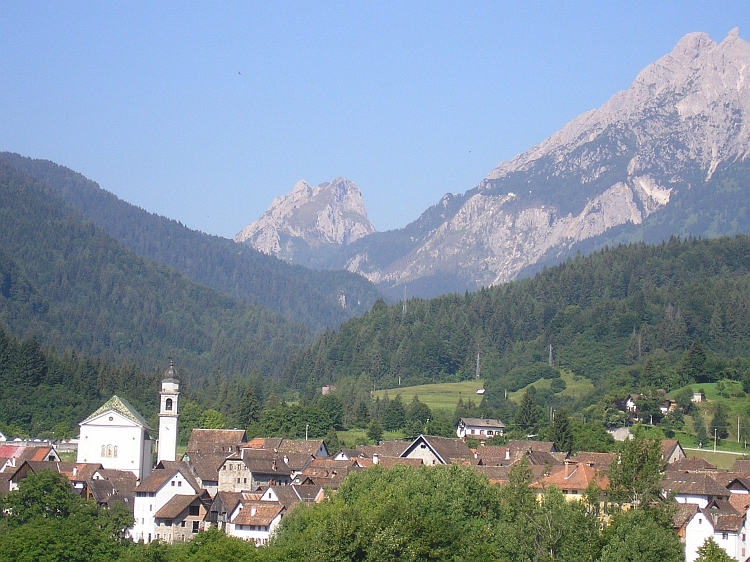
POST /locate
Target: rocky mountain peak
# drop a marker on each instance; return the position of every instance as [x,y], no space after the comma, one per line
[329,213]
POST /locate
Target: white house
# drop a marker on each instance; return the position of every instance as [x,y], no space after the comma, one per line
[479,428]
[254,520]
[697,488]
[117,437]
[720,522]
[168,480]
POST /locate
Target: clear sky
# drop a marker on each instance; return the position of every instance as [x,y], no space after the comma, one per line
[206,111]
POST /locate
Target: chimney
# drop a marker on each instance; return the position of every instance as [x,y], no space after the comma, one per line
[507,454]
[75,471]
[286,459]
[375,458]
[273,465]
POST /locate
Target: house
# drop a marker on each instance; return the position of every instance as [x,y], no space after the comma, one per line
[479,428]
[600,461]
[117,437]
[720,521]
[255,520]
[698,397]
[182,517]
[289,496]
[328,472]
[439,450]
[107,486]
[222,507]
[253,468]
[698,488]
[169,479]
[205,469]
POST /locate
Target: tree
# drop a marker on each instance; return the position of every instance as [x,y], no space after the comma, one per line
[720,421]
[332,441]
[709,551]
[212,419]
[635,475]
[701,435]
[394,416]
[375,431]
[250,410]
[639,536]
[332,405]
[418,411]
[527,416]
[560,432]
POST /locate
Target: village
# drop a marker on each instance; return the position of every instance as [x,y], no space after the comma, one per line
[245,487]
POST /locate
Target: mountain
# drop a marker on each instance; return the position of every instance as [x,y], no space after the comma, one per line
[309,218]
[318,299]
[666,156]
[622,318]
[66,282]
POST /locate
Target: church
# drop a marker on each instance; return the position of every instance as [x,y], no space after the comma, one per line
[118,437]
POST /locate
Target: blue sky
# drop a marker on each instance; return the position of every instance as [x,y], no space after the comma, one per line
[204,112]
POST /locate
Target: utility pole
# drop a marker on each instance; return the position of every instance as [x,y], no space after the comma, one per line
[307,426]
[550,355]
[715,439]
[477,366]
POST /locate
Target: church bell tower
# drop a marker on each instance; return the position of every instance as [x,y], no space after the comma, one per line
[169,395]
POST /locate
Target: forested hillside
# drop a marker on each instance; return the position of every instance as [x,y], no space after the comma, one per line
[624,318]
[318,299]
[67,282]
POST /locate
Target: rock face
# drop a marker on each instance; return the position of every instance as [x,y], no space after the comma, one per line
[666,156]
[308,218]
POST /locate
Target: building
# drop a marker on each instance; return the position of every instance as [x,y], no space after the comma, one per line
[117,437]
[478,428]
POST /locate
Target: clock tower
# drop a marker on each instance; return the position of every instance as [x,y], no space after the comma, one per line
[169,395]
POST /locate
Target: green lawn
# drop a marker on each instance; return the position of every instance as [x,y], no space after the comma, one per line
[439,397]
[575,386]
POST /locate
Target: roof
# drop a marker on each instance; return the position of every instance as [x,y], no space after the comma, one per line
[298,461]
[482,422]
[600,461]
[163,473]
[742,465]
[5,482]
[175,506]
[576,476]
[668,447]
[262,461]
[385,449]
[683,514]
[692,464]
[26,453]
[226,502]
[207,466]
[301,446]
[206,441]
[740,502]
[448,449]
[258,513]
[694,484]
[519,447]
[122,407]
[388,462]
[495,474]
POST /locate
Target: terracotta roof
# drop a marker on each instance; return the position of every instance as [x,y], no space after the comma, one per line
[175,506]
[122,407]
[307,494]
[286,495]
[742,465]
[26,453]
[226,501]
[388,462]
[327,472]
[258,513]
[693,464]
[539,457]
[740,502]
[697,484]
[519,447]
[600,461]
[208,441]
[122,480]
[576,476]
[297,461]
[261,461]
[206,466]
[668,446]
[495,474]
[300,446]
[683,514]
[385,449]
[723,522]
[491,451]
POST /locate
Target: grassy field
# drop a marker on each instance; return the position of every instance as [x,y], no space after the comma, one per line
[439,397]
[575,386]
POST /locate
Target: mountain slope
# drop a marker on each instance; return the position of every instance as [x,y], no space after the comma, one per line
[318,299]
[649,157]
[67,282]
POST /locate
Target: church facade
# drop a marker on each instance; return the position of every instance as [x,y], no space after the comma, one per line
[117,437]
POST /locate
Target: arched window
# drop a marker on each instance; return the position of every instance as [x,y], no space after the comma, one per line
[115,451]
[104,451]
[168,405]
[109,450]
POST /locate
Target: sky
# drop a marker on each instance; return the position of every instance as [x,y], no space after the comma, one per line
[204,112]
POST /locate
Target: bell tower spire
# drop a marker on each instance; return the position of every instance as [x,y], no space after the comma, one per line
[168,414]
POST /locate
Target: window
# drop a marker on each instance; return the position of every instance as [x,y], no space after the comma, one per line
[724,536]
[172,482]
[104,450]
[115,451]
[168,405]
[179,483]
[182,523]
[109,450]
[194,510]
[195,526]
[168,522]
